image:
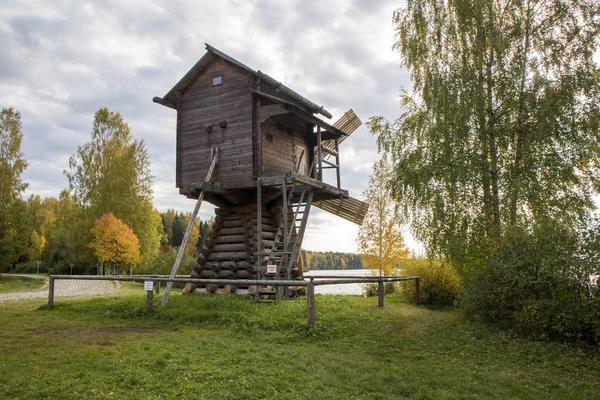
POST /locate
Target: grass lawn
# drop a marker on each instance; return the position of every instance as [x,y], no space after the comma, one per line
[11,284]
[228,348]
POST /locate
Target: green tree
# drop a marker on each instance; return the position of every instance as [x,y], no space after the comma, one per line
[66,236]
[379,239]
[111,173]
[12,165]
[205,228]
[179,227]
[167,219]
[194,233]
[502,125]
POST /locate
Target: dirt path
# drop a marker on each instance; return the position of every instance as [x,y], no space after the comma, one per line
[65,288]
[31,276]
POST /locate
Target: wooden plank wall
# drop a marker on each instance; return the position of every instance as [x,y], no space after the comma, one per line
[278,155]
[203,104]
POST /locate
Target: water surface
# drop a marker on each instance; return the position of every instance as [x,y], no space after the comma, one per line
[350,288]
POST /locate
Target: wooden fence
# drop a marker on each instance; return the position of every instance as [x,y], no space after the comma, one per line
[309,284]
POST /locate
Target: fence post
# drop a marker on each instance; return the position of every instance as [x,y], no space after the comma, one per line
[380,292]
[157,287]
[149,298]
[310,302]
[51,292]
[418,291]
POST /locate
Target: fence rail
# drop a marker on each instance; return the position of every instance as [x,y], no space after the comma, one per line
[309,284]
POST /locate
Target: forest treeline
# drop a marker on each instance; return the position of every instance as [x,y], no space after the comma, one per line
[104,221]
[51,231]
[316,260]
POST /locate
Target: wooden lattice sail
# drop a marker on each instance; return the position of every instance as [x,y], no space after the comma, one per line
[349,208]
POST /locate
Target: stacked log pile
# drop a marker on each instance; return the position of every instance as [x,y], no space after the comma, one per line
[229,253]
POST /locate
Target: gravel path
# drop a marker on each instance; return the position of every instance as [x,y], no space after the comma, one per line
[65,288]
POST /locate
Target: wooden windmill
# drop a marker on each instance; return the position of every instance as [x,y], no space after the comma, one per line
[272,153]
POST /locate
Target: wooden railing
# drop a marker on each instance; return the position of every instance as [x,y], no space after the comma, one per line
[309,284]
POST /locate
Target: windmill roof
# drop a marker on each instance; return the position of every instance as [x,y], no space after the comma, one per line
[171,98]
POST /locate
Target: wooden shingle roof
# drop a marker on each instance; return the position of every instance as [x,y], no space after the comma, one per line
[171,98]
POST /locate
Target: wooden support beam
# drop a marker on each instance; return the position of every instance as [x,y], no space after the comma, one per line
[380,293]
[259,245]
[51,292]
[189,229]
[149,300]
[310,303]
[320,153]
[286,241]
[330,163]
[266,112]
[330,151]
[337,161]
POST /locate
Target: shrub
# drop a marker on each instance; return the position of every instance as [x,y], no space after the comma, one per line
[439,281]
[163,262]
[30,267]
[371,289]
[537,282]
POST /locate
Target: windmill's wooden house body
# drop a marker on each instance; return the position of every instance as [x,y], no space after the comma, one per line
[271,146]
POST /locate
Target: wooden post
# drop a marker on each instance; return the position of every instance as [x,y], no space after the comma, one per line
[319,153]
[285,224]
[310,303]
[189,230]
[149,298]
[337,162]
[380,292]
[259,243]
[157,287]
[51,292]
[418,291]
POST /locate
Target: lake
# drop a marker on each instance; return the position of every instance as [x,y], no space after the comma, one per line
[350,288]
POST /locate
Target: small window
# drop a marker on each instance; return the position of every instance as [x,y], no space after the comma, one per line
[217,80]
[269,138]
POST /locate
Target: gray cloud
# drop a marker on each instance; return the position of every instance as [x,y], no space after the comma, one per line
[62,61]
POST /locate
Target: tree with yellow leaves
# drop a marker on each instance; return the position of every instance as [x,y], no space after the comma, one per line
[380,241]
[115,244]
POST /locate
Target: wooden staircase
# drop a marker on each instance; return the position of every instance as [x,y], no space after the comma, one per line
[286,245]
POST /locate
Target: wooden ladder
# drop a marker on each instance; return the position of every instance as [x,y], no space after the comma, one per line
[288,238]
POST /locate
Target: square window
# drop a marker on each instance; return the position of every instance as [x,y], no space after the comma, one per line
[217,80]
[269,138]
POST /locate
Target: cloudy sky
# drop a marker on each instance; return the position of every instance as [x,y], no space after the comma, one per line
[63,60]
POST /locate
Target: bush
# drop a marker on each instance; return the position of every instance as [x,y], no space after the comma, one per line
[439,282]
[30,267]
[63,267]
[371,289]
[163,262]
[538,283]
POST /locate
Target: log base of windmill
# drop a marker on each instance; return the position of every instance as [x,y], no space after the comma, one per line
[229,253]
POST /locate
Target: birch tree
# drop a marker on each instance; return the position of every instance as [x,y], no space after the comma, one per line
[12,166]
[502,125]
[380,241]
[111,173]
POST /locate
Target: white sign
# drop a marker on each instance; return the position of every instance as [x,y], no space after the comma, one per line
[271,269]
[148,285]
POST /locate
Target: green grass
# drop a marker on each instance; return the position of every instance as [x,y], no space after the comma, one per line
[225,347]
[10,284]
